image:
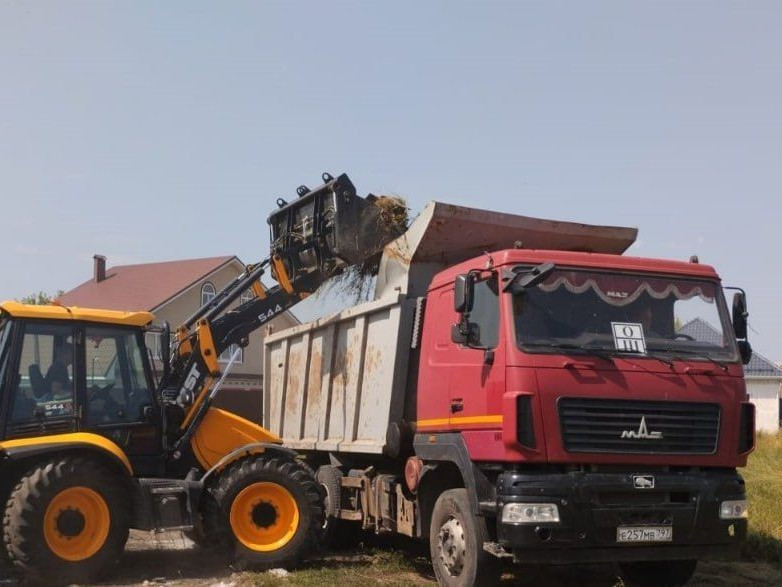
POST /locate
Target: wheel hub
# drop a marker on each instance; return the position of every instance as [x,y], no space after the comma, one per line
[76,523]
[70,522]
[452,547]
[264,514]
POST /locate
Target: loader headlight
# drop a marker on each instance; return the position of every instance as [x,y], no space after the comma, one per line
[736,509]
[530,513]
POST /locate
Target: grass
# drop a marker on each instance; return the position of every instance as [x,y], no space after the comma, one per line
[368,566]
[764,488]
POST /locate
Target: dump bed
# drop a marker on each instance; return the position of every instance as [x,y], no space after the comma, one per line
[336,384]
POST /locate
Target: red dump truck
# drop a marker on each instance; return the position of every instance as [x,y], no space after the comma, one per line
[519,389]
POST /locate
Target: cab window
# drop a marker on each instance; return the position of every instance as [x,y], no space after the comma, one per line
[117,387]
[45,380]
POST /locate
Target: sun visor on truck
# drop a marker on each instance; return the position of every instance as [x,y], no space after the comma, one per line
[444,234]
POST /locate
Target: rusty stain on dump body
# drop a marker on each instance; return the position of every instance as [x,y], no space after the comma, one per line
[294,393]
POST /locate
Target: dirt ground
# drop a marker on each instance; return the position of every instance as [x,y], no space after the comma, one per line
[170,559]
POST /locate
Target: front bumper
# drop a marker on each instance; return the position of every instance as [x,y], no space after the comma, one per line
[593,505]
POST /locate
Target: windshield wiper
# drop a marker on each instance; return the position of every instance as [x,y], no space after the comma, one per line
[600,352]
[647,355]
[701,355]
[595,352]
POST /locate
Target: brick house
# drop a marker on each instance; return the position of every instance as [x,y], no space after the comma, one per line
[172,291]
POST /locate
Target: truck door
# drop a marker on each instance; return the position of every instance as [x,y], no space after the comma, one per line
[476,375]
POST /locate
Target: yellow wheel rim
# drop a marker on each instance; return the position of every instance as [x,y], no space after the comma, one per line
[76,523]
[264,517]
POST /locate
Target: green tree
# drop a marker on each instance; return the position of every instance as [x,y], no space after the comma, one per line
[41,298]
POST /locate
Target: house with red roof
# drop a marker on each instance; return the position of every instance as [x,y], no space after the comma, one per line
[763,378]
[172,291]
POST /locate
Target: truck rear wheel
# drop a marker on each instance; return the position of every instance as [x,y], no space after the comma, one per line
[66,521]
[456,538]
[658,573]
[336,533]
[270,510]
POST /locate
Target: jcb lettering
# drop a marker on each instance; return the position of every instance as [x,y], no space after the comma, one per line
[192,379]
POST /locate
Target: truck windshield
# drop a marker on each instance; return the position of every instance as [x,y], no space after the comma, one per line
[625,313]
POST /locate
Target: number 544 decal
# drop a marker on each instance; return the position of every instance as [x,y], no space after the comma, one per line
[266,316]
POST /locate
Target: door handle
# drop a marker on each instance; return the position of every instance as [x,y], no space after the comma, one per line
[457,405]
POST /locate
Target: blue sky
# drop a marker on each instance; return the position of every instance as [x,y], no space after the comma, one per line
[149,131]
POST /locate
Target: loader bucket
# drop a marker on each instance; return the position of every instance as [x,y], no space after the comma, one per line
[328,229]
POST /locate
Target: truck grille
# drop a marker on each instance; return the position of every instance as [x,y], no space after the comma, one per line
[629,426]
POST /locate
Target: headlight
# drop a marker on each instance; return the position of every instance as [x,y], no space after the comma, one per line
[733,510]
[530,513]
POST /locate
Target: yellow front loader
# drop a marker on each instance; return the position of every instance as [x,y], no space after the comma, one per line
[92,446]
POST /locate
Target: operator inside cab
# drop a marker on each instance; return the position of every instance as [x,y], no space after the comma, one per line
[51,348]
[58,378]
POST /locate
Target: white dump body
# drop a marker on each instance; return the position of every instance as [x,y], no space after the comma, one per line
[336,384]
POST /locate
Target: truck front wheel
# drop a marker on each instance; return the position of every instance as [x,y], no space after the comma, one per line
[658,573]
[456,538]
[270,509]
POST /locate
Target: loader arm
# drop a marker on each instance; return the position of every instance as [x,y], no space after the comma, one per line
[313,238]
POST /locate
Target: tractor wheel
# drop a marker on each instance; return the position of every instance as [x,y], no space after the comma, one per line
[66,521]
[270,509]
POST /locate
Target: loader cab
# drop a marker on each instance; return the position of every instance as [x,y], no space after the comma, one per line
[67,370]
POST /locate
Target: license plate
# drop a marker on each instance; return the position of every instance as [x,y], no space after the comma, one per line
[644,534]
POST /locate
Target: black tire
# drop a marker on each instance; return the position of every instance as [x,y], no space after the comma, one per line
[456,538]
[658,573]
[289,478]
[207,532]
[336,534]
[329,480]
[61,482]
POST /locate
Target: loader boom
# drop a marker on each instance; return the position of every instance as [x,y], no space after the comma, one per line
[316,236]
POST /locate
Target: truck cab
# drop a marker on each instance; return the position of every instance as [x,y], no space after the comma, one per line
[600,397]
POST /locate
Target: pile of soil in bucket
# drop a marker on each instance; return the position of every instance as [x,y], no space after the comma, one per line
[357,281]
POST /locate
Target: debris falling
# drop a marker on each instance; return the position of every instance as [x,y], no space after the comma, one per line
[357,281]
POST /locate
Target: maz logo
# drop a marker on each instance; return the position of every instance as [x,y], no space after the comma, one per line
[642,432]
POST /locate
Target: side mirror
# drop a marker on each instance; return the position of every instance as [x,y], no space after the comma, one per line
[462,293]
[740,315]
[745,350]
[148,413]
[456,334]
[465,333]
